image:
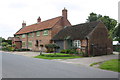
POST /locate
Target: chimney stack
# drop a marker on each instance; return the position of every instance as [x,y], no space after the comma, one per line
[23,24]
[64,13]
[38,20]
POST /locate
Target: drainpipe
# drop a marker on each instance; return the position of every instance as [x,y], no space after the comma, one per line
[27,40]
[88,49]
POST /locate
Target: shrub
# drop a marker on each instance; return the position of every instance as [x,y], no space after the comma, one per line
[52,47]
[69,51]
[4,44]
[22,49]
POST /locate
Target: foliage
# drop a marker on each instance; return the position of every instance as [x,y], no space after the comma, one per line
[8,41]
[111,65]
[57,56]
[93,17]
[69,51]
[4,44]
[117,33]
[22,49]
[52,47]
[2,39]
[116,48]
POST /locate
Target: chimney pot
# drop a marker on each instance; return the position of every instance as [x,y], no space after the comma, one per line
[64,13]
[38,20]
[23,24]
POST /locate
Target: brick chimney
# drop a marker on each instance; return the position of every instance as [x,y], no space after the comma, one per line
[64,13]
[23,24]
[38,20]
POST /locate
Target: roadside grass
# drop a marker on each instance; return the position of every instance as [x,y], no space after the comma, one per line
[94,64]
[112,65]
[57,56]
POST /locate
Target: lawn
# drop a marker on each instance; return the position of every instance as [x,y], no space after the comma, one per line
[57,56]
[112,65]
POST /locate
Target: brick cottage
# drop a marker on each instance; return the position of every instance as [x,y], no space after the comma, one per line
[40,33]
[91,38]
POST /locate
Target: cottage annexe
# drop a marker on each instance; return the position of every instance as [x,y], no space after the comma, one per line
[90,38]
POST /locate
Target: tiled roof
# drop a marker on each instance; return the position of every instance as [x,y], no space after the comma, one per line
[39,26]
[79,31]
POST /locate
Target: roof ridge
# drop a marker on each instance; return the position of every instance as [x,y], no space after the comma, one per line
[84,23]
[43,21]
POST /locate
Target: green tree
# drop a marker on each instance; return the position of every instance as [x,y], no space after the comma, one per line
[2,39]
[92,17]
[117,33]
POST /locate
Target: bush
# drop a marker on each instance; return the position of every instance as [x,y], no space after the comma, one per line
[8,49]
[69,51]
[4,44]
[22,50]
[116,48]
[51,47]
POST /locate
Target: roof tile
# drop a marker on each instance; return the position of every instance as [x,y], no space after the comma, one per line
[39,26]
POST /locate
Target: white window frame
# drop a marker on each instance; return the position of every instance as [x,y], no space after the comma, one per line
[29,43]
[23,35]
[38,33]
[77,43]
[32,34]
[45,32]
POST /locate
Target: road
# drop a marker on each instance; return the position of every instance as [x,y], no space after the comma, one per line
[17,66]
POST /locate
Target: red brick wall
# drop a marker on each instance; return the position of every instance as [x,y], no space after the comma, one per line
[44,39]
[59,26]
[99,39]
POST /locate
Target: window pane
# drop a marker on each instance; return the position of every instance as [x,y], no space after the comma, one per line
[30,43]
[32,34]
[38,33]
[45,32]
[77,43]
[29,34]
[23,44]
[23,36]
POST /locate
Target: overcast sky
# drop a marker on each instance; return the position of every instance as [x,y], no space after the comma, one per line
[13,12]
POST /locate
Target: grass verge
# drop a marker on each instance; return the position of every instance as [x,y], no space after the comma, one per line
[112,65]
[57,56]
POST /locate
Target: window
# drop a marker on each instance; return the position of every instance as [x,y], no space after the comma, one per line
[32,34]
[36,43]
[45,33]
[29,34]
[23,36]
[38,33]
[23,44]
[17,36]
[30,43]
[77,43]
